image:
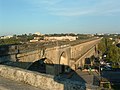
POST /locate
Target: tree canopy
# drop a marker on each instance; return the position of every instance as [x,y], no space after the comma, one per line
[108,48]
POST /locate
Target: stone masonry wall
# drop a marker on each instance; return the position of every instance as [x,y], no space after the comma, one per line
[46,82]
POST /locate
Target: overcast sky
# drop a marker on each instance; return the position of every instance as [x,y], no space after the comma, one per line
[59,16]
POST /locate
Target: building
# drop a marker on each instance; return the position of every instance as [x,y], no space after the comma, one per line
[38,33]
[117,40]
[53,38]
[36,39]
[6,37]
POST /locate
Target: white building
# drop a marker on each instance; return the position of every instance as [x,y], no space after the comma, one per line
[33,40]
[36,39]
[111,38]
[71,38]
[6,37]
[38,33]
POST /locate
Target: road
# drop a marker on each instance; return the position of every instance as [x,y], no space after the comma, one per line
[6,84]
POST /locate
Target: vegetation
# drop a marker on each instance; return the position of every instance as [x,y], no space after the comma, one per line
[108,47]
[9,41]
[16,39]
[116,86]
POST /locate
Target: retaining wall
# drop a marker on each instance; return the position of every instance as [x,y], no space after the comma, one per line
[43,81]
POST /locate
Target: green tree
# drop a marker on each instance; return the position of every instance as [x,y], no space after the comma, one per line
[102,46]
[107,47]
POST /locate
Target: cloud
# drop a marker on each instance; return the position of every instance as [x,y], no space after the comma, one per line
[79,7]
[107,8]
[68,12]
[44,2]
[51,2]
[104,7]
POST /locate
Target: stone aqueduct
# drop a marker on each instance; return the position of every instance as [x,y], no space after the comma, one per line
[68,55]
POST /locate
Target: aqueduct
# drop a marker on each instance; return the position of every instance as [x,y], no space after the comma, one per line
[56,58]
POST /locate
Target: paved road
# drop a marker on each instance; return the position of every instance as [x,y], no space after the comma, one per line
[85,76]
[81,76]
[6,84]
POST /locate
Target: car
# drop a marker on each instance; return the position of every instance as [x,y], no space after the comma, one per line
[106,68]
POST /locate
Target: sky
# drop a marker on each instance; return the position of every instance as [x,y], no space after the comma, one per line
[59,16]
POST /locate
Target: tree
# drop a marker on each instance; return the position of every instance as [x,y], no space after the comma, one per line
[102,46]
[110,50]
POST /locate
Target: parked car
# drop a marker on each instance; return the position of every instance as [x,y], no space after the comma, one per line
[104,67]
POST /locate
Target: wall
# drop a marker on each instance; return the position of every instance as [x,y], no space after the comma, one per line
[46,82]
[51,54]
[31,56]
[81,51]
[81,60]
[71,38]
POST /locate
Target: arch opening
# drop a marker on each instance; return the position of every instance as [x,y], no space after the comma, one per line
[63,62]
[43,66]
[38,66]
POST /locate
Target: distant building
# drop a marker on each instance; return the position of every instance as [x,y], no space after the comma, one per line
[111,38]
[36,39]
[113,42]
[38,33]
[53,38]
[6,37]
[117,40]
[90,35]
[33,40]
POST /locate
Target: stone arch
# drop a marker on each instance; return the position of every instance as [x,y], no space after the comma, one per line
[38,66]
[63,58]
[41,65]
[63,62]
